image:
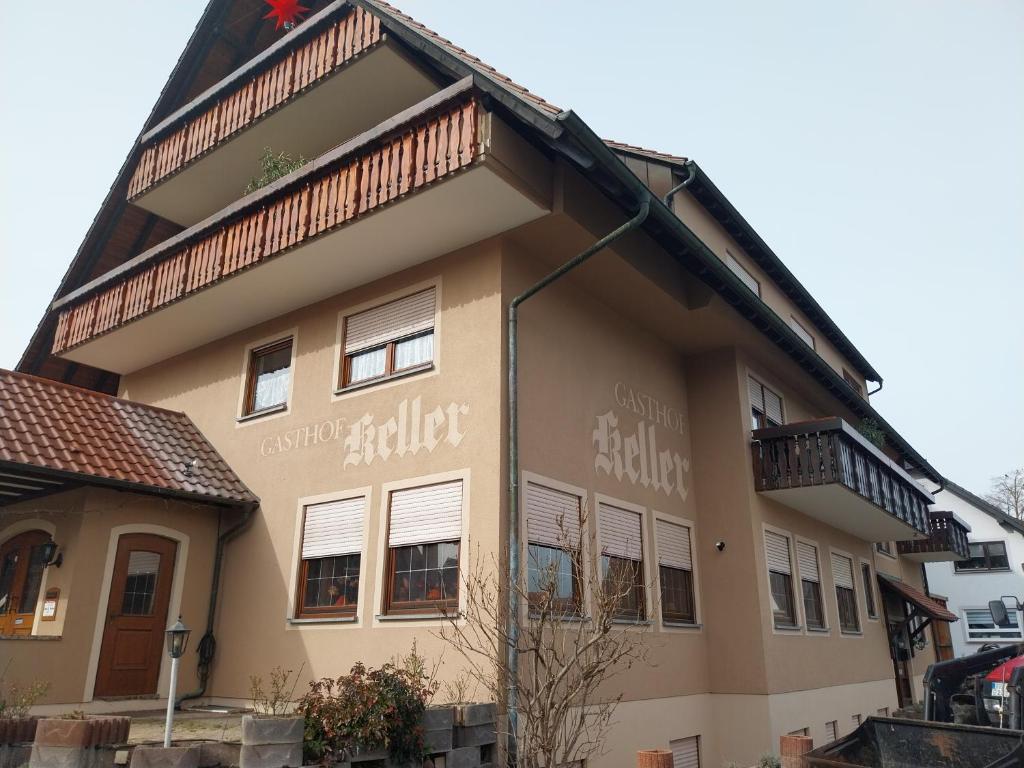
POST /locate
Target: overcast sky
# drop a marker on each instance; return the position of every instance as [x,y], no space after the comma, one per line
[878,147]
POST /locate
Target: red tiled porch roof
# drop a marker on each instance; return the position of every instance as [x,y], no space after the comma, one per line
[57,431]
[925,604]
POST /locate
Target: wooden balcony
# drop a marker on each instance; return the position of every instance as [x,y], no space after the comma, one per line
[946,541]
[431,180]
[315,88]
[829,471]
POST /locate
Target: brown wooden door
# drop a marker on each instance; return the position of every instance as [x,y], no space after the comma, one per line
[21,575]
[133,637]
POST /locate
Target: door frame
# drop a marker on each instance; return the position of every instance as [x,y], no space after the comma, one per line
[23,526]
[173,607]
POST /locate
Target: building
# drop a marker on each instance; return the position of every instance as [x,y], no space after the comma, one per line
[994,568]
[295,428]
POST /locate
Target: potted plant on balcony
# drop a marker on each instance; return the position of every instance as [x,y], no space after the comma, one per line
[271,735]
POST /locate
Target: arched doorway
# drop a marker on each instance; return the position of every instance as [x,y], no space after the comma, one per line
[22,560]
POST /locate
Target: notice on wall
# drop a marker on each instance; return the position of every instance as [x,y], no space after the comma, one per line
[49,612]
[628,447]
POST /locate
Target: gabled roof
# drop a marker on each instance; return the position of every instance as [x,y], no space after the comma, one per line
[54,435]
[987,507]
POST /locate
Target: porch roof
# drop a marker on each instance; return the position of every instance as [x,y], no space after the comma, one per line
[55,436]
[927,606]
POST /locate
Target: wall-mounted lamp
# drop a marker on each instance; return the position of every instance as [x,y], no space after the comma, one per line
[50,554]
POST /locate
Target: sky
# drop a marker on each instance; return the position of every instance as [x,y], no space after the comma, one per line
[877,147]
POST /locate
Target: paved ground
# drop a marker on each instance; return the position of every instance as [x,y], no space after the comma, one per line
[216,726]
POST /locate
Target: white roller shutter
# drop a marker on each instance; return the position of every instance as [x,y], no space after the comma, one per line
[830,732]
[741,272]
[807,559]
[776,550]
[376,326]
[142,563]
[552,517]
[685,752]
[842,571]
[756,393]
[764,400]
[674,545]
[426,515]
[621,532]
[333,528]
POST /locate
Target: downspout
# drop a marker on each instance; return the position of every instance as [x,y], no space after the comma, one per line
[512,696]
[691,168]
[876,391]
[208,644]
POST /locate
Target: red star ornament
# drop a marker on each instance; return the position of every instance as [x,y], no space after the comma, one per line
[285,11]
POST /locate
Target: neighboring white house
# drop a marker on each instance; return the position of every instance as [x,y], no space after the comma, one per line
[996,568]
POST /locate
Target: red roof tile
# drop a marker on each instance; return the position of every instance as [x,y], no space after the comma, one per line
[46,425]
[632,149]
[925,604]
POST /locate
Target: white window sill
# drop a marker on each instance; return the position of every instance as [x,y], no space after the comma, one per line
[263,412]
[681,625]
[788,628]
[632,622]
[417,616]
[326,620]
[384,379]
[820,630]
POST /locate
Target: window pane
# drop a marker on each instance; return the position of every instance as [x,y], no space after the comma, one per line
[332,582]
[140,583]
[869,592]
[997,555]
[33,579]
[415,351]
[367,365]
[272,370]
[677,603]
[425,576]
[849,621]
[782,599]
[623,581]
[550,580]
[812,605]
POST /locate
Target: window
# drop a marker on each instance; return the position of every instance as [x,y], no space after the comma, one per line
[885,547]
[846,594]
[553,549]
[856,720]
[803,333]
[685,752]
[985,556]
[831,728]
[850,379]
[810,585]
[869,592]
[424,533]
[270,373]
[800,732]
[780,579]
[748,279]
[332,542]
[981,627]
[140,583]
[675,573]
[883,712]
[622,560]
[765,405]
[389,340]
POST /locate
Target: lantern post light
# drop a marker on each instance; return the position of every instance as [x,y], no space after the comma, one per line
[177,641]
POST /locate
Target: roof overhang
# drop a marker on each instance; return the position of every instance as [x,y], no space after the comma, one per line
[924,604]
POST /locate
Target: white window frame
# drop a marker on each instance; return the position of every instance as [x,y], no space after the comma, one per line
[338,392]
[857,598]
[827,629]
[585,536]
[242,419]
[292,623]
[697,626]
[381,618]
[645,549]
[1002,639]
[798,608]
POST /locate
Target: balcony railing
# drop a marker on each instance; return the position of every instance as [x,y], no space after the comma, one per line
[946,541]
[791,460]
[355,179]
[282,75]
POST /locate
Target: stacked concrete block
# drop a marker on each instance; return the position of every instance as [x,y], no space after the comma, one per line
[146,756]
[271,742]
[69,743]
[16,735]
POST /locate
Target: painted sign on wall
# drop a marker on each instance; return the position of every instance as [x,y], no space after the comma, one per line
[630,450]
[410,429]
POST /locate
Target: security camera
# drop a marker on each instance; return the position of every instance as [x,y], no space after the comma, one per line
[719,545]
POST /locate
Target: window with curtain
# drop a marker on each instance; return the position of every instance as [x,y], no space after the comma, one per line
[675,573]
[765,405]
[622,560]
[810,585]
[846,594]
[270,373]
[553,557]
[332,542]
[393,339]
[424,535]
[780,579]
